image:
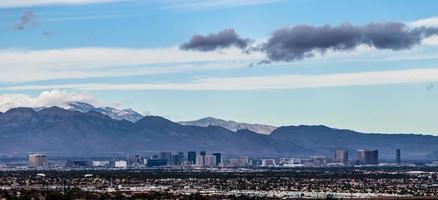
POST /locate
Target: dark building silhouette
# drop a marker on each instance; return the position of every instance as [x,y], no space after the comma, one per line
[180,157]
[166,156]
[368,157]
[177,159]
[218,158]
[77,163]
[398,156]
[191,157]
[341,156]
[156,162]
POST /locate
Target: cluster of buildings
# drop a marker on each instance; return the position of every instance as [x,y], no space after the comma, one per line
[204,160]
[191,158]
[363,157]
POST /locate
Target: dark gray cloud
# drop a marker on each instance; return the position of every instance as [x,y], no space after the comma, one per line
[299,42]
[264,62]
[26,19]
[213,41]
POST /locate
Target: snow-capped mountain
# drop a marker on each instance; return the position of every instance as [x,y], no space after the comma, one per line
[115,113]
[230,125]
[77,106]
[125,114]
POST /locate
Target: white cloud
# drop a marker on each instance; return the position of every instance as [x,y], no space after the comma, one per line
[426,22]
[206,4]
[432,21]
[166,4]
[431,41]
[28,3]
[46,98]
[261,82]
[109,62]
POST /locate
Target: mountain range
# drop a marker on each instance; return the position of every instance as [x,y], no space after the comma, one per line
[230,125]
[125,114]
[67,132]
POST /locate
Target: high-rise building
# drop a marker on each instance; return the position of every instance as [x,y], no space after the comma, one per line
[341,156]
[166,156]
[134,159]
[368,157]
[203,153]
[241,161]
[191,157]
[360,156]
[37,160]
[209,161]
[218,158]
[200,160]
[398,156]
[180,159]
[319,161]
[177,159]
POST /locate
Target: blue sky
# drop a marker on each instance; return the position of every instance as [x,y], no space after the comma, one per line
[126,53]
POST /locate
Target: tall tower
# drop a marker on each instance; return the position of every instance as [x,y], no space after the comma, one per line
[341,156]
[368,157]
[166,156]
[191,157]
[360,156]
[37,160]
[203,153]
[218,158]
[398,156]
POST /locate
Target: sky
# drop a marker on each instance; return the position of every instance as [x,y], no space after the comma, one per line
[370,66]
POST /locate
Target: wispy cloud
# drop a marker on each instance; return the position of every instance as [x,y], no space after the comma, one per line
[209,4]
[165,4]
[109,62]
[30,3]
[272,82]
[77,18]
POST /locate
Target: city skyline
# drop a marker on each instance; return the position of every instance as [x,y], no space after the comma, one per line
[218,99]
[234,60]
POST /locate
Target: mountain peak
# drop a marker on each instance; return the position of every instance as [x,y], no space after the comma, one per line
[52,109]
[78,106]
[20,110]
[154,120]
[230,125]
[127,114]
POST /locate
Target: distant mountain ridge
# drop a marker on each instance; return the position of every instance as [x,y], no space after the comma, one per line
[58,131]
[124,114]
[230,125]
